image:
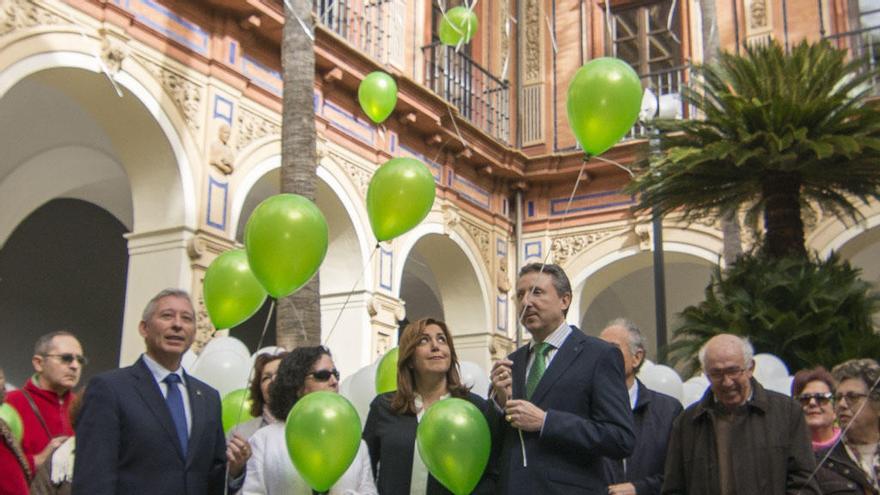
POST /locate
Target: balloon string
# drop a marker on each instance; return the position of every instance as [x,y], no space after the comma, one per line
[249,378]
[616,164]
[457,131]
[543,264]
[840,437]
[348,297]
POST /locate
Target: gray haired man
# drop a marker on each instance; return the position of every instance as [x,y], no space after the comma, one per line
[653,412]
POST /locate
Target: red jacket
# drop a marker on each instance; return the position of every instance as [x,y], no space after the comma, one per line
[54,410]
[13,476]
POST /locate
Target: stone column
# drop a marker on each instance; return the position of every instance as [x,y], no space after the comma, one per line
[156,260]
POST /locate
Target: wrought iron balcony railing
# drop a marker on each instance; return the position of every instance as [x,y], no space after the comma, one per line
[367,26]
[480,97]
[862,43]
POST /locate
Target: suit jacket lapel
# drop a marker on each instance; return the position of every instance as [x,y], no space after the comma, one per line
[564,357]
[149,391]
[198,411]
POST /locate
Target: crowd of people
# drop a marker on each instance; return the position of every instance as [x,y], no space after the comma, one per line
[566,413]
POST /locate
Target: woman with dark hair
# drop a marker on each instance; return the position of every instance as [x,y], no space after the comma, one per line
[852,466]
[814,389]
[265,368]
[269,470]
[427,371]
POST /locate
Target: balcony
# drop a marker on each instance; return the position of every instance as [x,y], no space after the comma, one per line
[480,97]
[862,43]
[367,26]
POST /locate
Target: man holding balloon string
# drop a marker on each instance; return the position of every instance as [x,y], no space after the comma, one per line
[151,427]
[561,400]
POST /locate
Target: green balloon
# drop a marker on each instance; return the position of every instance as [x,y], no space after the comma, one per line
[236,407]
[286,240]
[232,292]
[10,416]
[453,440]
[386,372]
[377,95]
[323,433]
[604,99]
[400,196]
[459,25]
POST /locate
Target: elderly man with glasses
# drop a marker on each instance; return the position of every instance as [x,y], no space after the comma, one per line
[739,438]
[44,401]
[852,466]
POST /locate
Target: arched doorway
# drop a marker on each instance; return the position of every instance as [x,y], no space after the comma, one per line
[625,288]
[67,134]
[440,281]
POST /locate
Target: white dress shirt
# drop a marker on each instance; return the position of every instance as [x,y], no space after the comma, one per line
[271,472]
[159,373]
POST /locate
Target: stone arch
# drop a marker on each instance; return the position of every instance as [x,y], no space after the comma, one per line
[617,272]
[858,243]
[345,281]
[138,163]
[458,282]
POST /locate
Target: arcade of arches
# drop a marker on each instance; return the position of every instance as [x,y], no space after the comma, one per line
[126,171]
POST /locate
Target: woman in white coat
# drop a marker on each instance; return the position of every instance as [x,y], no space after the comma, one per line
[269,470]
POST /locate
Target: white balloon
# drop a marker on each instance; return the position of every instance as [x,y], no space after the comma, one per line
[361,390]
[662,378]
[768,368]
[781,385]
[225,369]
[646,365]
[699,379]
[226,343]
[692,392]
[189,360]
[473,376]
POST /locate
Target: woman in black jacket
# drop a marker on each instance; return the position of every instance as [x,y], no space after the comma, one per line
[427,371]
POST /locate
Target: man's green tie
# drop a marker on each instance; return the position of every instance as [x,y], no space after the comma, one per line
[538,366]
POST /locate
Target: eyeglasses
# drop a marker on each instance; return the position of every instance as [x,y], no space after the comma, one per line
[719,375]
[324,375]
[852,398]
[68,358]
[820,399]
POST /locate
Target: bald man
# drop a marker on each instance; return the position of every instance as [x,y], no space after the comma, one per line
[739,438]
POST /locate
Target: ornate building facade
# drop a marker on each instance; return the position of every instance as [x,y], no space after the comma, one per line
[138,135]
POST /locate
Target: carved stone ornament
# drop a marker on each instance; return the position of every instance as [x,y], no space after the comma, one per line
[451,218]
[480,236]
[533,41]
[220,154]
[196,247]
[565,248]
[113,52]
[20,14]
[252,126]
[187,95]
[359,176]
[204,329]
[758,18]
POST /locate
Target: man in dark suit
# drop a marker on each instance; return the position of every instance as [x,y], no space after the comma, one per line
[560,401]
[151,427]
[642,472]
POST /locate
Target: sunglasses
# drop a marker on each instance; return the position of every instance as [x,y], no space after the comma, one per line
[68,358]
[324,375]
[820,399]
[851,398]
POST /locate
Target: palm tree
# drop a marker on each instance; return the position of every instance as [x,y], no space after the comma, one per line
[781,133]
[299,315]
